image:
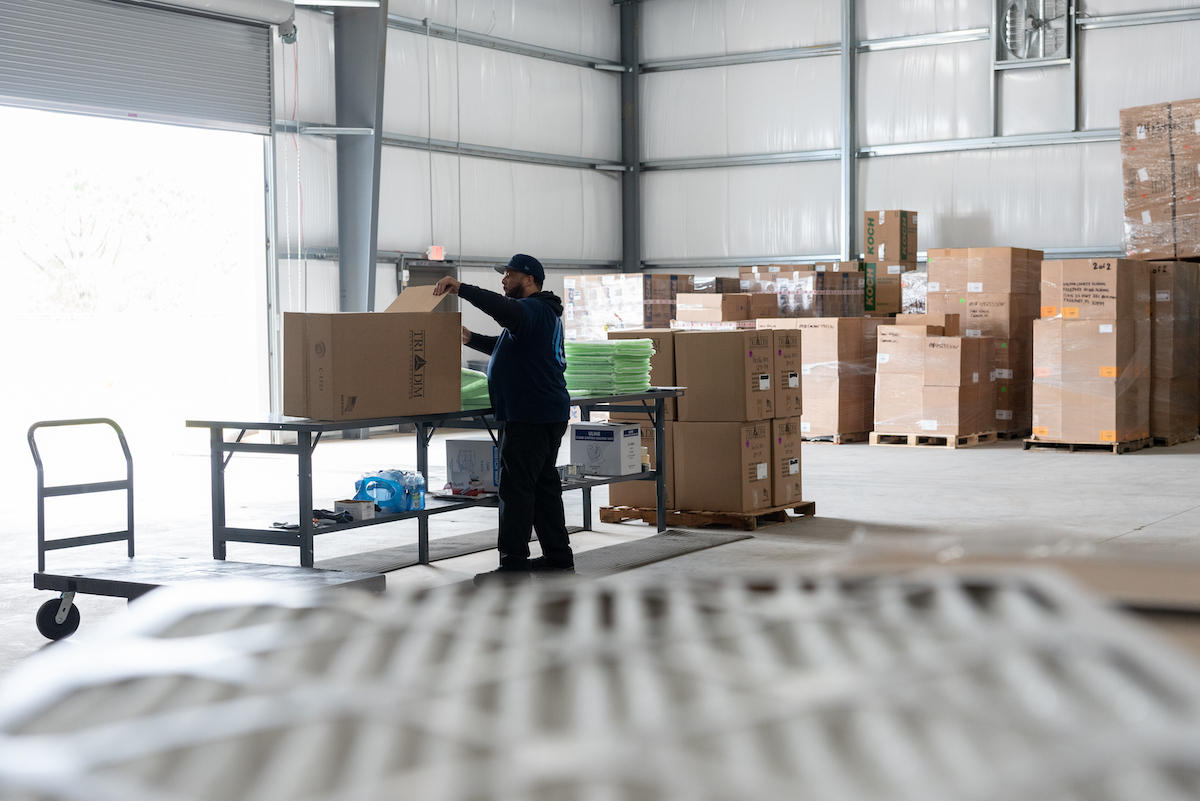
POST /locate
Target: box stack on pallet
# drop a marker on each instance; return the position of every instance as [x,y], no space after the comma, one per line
[735,440]
[1160,160]
[1175,359]
[995,291]
[933,389]
[889,252]
[1092,354]
[595,304]
[641,494]
[838,376]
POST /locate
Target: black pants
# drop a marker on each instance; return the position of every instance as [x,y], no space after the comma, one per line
[531,493]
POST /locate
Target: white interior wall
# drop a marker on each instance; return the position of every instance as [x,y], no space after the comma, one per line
[586,27]
[1050,196]
[773,107]
[674,29]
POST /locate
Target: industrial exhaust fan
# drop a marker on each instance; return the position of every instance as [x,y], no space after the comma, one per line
[1033,31]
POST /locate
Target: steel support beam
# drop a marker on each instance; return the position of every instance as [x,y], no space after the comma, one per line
[849,132]
[631,189]
[743,161]
[360,50]
[1087,23]
[992,143]
[759,57]
[449,32]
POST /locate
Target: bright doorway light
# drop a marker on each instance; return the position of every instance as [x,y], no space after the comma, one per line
[132,275]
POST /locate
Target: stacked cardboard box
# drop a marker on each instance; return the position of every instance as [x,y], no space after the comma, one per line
[641,494]
[731,454]
[1175,355]
[1092,352]
[812,293]
[837,374]
[996,293]
[932,384]
[1160,165]
[718,285]
[890,237]
[595,304]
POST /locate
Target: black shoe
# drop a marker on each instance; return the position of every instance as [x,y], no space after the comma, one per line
[503,575]
[540,564]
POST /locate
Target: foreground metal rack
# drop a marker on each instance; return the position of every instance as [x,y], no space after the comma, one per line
[309,432]
[978,686]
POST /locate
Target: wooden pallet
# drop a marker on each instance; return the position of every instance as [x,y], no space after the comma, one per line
[1034,443]
[1170,442]
[840,439]
[929,441]
[745,521]
[1014,435]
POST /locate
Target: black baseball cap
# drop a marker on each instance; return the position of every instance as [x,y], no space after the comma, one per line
[521,263]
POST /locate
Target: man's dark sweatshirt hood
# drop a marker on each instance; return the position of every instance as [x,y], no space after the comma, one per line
[526,378]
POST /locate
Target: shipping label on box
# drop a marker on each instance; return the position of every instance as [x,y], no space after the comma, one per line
[607,449]
[473,463]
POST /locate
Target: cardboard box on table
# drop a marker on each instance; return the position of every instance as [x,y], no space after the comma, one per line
[473,463]
[333,370]
[837,373]
[729,375]
[723,467]
[1175,350]
[642,494]
[662,368]
[701,308]
[786,440]
[606,449]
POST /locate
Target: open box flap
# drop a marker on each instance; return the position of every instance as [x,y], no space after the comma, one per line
[416,299]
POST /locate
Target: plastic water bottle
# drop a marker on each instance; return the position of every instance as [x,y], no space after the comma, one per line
[414,487]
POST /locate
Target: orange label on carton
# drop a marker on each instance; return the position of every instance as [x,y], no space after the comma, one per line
[1041,432]
[1041,372]
[1070,312]
[1108,436]
[1049,311]
[1108,372]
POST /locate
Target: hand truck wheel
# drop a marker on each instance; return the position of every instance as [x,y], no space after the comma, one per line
[53,622]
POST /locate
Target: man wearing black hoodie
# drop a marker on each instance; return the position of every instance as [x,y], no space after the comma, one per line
[528,391]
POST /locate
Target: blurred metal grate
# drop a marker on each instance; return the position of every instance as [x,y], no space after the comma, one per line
[935,686]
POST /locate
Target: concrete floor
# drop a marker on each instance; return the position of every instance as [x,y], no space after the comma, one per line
[994,498]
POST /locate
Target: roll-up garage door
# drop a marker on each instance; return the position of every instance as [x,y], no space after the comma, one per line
[124,60]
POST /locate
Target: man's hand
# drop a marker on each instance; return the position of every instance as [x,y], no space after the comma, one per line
[466,335]
[447,284]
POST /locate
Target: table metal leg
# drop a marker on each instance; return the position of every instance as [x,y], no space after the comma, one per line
[660,465]
[585,414]
[424,432]
[216,442]
[304,441]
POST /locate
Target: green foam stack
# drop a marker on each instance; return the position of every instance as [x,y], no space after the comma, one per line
[616,367]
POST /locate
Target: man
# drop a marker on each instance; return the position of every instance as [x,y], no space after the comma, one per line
[528,391]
